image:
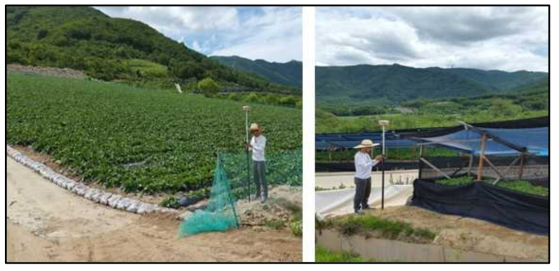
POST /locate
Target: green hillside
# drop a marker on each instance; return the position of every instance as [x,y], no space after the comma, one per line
[361,87]
[526,102]
[114,49]
[289,73]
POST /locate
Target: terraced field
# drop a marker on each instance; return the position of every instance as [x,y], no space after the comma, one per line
[141,140]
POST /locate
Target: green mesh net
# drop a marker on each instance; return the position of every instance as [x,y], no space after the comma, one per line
[231,181]
[220,213]
[282,168]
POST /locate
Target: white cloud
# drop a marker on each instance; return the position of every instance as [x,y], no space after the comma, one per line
[274,36]
[173,20]
[487,38]
[267,33]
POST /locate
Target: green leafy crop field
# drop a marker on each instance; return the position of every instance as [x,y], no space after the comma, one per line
[516,185]
[136,139]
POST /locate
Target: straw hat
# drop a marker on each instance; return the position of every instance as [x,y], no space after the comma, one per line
[366,143]
[254,127]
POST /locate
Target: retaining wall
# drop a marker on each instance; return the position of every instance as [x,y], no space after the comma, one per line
[392,250]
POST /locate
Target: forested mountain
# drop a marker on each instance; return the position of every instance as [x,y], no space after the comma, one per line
[521,103]
[289,73]
[499,80]
[115,49]
[391,85]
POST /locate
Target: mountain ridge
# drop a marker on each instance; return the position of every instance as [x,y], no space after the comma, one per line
[115,49]
[391,85]
[284,73]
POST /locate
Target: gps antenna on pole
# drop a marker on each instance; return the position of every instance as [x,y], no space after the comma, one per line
[383,124]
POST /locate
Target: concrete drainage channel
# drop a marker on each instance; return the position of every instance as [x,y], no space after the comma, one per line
[398,251]
[96,195]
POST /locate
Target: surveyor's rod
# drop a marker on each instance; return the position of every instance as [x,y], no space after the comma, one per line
[383,124]
[382,167]
[246,109]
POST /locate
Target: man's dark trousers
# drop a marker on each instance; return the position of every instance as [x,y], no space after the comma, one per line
[362,193]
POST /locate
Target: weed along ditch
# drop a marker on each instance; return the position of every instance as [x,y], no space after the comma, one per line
[411,234]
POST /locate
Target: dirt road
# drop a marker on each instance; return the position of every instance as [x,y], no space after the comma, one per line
[47,223]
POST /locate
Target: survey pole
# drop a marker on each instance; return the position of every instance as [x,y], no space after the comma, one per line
[383,124]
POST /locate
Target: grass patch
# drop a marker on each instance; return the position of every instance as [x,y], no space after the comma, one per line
[169,202]
[339,187]
[296,227]
[276,224]
[323,255]
[378,227]
[146,68]
[525,187]
[456,181]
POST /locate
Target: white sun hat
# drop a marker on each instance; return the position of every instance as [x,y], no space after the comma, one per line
[366,143]
[255,126]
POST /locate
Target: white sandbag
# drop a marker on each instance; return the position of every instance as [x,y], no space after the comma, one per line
[90,192]
[123,203]
[96,196]
[49,174]
[133,207]
[69,184]
[59,180]
[26,162]
[104,198]
[163,210]
[79,189]
[145,208]
[113,200]
[34,165]
[40,167]
[17,157]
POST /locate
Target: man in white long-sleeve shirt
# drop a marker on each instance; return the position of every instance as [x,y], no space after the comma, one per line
[363,167]
[258,145]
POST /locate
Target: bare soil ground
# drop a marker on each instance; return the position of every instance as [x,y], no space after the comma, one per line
[47,223]
[47,71]
[471,234]
[284,203]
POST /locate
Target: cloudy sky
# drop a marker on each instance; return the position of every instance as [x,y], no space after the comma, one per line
[270,33]
[503,38]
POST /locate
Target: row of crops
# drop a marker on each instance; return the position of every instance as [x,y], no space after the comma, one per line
[395,154]
[523,186]
[140,140]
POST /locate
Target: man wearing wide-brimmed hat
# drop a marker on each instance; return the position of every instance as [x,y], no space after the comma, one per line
[258,145]
[363,167]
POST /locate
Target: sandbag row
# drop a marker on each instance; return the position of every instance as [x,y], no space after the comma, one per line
[97,195]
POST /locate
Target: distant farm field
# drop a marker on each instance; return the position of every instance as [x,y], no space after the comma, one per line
[136,139]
